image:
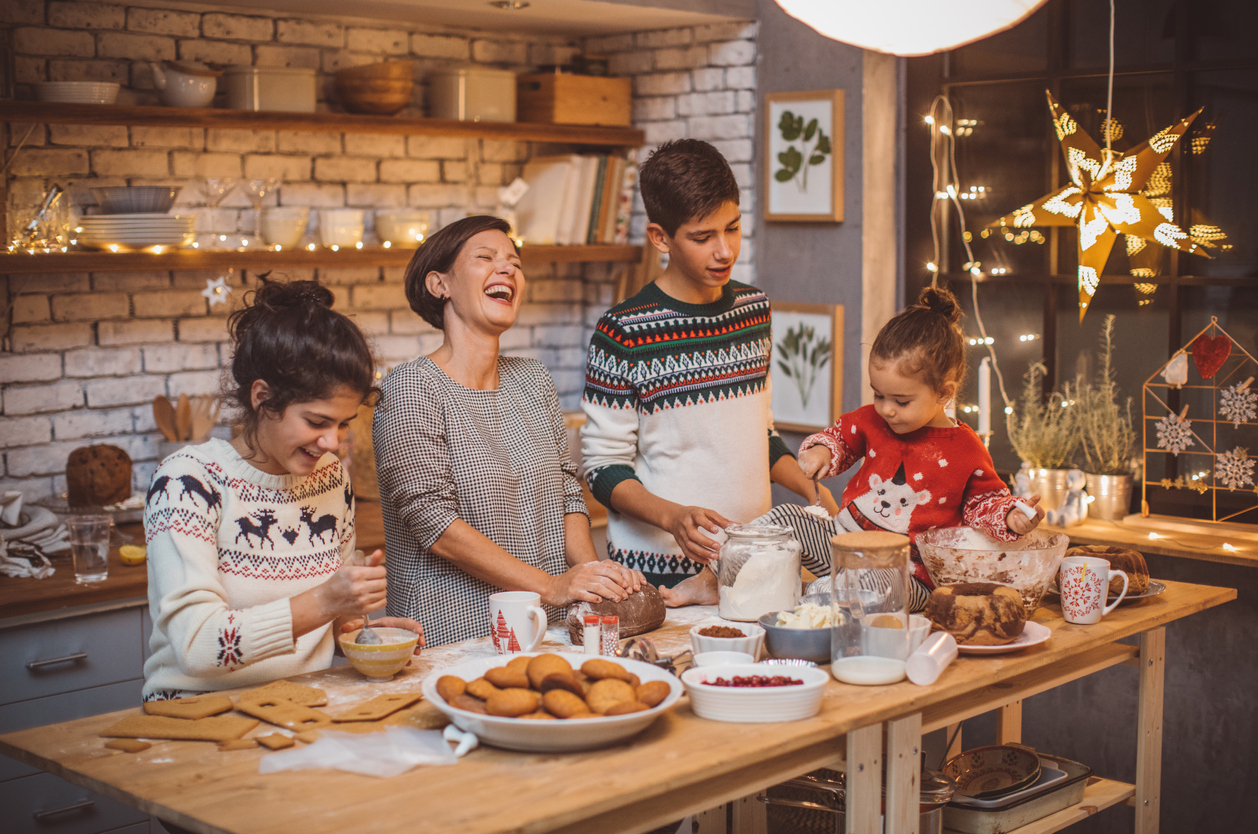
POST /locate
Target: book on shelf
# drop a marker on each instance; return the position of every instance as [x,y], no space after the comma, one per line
[577,199]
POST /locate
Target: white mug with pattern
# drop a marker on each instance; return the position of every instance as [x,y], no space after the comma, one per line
[517,621]
[1084,584]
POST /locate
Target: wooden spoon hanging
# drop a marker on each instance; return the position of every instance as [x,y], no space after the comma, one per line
[183,417]
[164,416]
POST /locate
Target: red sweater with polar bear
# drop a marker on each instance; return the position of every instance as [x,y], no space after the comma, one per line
[910,483]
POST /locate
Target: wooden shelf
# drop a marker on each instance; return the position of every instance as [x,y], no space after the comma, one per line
[1097,796]
[196,259]
[108,114]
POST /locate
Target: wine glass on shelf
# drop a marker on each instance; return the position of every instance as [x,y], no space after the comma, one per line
[258,190]
[214,190]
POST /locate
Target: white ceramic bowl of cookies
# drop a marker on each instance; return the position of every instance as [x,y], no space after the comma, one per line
[559,736]
[750,643]
[759,704]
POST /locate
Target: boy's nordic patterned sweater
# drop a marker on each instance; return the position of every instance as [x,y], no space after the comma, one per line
[677,397]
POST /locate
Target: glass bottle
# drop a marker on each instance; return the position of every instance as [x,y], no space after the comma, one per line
[759,571]
[870,592]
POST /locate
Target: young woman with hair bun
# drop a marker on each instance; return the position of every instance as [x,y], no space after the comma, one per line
[250,541]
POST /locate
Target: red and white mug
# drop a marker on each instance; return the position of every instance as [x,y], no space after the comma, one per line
[517,621]
[1084,585]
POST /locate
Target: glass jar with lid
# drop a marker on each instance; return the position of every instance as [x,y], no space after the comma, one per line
[870,592]
[759,571]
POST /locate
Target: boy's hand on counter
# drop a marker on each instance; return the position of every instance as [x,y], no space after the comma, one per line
[694,528]
[1018,521]
[815,461]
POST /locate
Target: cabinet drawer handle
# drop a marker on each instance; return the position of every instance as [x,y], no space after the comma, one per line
[81,805]
[70,658]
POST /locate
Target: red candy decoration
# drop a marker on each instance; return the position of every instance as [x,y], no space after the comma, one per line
[1209,354]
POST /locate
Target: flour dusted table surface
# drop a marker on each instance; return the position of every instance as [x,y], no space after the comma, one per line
[681,765]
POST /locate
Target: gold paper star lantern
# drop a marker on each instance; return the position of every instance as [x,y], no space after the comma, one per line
[1103,199]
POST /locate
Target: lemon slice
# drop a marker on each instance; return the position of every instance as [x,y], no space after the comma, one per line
[132,554]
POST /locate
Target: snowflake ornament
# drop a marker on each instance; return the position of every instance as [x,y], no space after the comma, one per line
[1235,468]
[1239,403]
[1175,433]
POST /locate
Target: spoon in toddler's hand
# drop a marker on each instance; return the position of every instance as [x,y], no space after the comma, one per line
[815,508]
[366,637]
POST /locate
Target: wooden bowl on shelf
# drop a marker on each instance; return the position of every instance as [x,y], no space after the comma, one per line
[381,89]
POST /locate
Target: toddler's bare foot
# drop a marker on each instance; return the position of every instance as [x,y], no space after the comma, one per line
[699,589]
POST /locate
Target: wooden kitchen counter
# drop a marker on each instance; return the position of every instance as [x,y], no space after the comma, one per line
[682,764]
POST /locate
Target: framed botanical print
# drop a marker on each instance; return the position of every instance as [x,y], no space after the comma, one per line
[803,159]
[807,370]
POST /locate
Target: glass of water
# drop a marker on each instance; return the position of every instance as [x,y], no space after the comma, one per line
[89,542]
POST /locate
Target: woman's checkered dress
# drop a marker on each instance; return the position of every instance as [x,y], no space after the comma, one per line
[497,460]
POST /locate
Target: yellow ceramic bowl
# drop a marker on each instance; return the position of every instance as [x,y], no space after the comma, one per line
[382,661]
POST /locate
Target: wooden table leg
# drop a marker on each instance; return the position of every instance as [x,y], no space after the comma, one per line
[904,767]
[864,780]
[1009,724]
[952,737]
[750,816]
[1149,722]
[711,821]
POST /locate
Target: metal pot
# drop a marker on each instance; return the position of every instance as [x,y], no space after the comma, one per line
[1111,496]
[1050,484]
[816,802]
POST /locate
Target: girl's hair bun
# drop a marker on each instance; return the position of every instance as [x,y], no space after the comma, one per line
[941,301]
[276,295]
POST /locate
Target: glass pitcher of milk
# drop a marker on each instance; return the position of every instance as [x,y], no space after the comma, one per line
[870,589]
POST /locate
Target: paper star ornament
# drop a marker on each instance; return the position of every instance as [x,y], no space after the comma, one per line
[1103,199]
[216,290]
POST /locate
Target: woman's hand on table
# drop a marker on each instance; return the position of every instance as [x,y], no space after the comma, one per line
[693,528]
[389,622]
[593,582]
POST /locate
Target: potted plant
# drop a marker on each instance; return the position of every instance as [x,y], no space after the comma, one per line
[1106,434]
[1045,436]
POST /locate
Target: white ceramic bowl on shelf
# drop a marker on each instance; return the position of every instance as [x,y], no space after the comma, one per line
[341,227]
[550,736]
[284,226]
[77,92]
[750,644]
[755,705]
[405,228]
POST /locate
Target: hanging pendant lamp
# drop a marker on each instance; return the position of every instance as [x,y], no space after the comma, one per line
[910,27]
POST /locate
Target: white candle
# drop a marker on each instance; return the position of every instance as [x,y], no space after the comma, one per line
[985,395]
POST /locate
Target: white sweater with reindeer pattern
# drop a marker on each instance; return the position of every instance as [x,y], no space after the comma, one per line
[228,545]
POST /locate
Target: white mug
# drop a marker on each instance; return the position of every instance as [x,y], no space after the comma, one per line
[1084,584]
[516,620]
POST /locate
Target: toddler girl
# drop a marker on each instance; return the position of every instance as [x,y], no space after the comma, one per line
[921,469]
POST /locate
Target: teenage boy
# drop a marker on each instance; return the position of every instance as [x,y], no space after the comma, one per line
[679,439]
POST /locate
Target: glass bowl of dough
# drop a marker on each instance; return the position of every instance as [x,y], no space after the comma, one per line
[963,554]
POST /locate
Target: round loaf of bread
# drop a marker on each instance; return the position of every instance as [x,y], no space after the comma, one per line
[977,613]
[1129,562]
[639,613]
[97,476]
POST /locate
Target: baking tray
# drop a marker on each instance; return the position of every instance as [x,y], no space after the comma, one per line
[1047,796]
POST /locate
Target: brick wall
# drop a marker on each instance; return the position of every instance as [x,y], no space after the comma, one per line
[87,353]
[698,83]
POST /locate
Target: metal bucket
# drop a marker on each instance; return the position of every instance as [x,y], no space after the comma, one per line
[1050,484]
[1111,496]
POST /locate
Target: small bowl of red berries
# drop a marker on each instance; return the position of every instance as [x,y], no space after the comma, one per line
[755,693]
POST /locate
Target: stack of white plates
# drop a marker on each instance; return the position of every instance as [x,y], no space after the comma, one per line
[136,231]
[77,92]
